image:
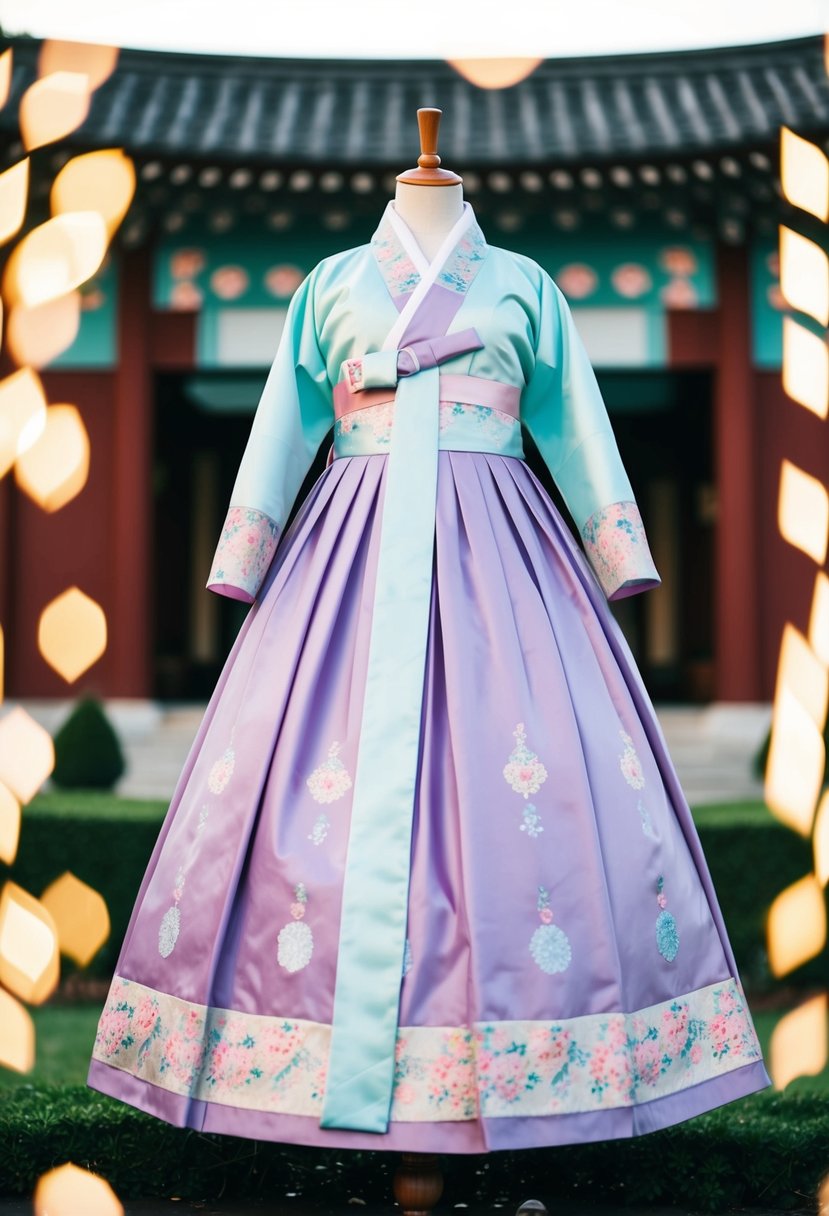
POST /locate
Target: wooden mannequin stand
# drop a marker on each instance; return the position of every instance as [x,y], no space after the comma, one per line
[418,1181]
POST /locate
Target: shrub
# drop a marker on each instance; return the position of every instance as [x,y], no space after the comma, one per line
[87,750]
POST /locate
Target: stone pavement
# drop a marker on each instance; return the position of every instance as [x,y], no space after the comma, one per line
[711,746]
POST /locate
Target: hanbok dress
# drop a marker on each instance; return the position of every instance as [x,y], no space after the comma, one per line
[428,880]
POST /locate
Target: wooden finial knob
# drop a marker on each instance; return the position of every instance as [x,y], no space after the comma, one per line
[428,172]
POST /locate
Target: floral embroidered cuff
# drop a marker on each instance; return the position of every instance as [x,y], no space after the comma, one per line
[243,555]
[616,545]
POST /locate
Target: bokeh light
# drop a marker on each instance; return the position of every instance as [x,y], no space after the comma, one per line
[55,469]
[72,633]
[14,189]
[17,1042]
[38,335]
[9,824]
[102,181]
[55,257]
[53,107]
[796,928]
[804,275]
[496,73]
[797,756]
[799,1042]
[27,754]
[22,414]
[805,368]
[29,958]
[69,1191]
[804,174]
[803,511]
[81,916]
[96,62]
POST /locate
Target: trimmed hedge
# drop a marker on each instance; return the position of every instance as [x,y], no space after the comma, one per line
[107,842]
[764,1150]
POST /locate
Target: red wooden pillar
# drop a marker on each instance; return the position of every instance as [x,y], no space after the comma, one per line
[736,440]
[130,634]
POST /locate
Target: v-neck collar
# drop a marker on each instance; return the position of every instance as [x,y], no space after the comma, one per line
[403,264]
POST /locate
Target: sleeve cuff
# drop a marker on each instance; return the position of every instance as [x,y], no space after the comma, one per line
[617,549]
[246,546]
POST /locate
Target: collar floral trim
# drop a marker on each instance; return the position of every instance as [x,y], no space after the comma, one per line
[398,268]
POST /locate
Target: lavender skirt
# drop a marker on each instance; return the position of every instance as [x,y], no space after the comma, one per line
[568,976]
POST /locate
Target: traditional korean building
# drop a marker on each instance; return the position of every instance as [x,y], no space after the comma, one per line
[647,185]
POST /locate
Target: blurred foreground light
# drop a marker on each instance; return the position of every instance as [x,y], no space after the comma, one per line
[799,1042]
[796,928]
[9,824]
[27,754]
[70,1191]
[102,181]
[797,757]
[55,469]
[804,174]
[803,511]
[804,275]
[5,76]
[17,1035]
[494,73]
[81,916]
[14,190]
[29,958]
[805,368]
[820,841]
[22,414]
[96,62]
[801,671]
[819,618]
[37,335]
[54,258]
[53,107]
[72,633]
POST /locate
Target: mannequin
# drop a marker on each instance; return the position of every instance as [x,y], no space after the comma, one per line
[430,214]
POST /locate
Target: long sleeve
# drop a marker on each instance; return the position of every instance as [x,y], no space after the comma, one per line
[563,409]
[293,415]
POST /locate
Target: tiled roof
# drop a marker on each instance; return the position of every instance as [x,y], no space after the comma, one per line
[234,108]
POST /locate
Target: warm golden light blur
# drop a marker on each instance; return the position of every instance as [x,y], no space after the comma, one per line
[805,368]
[17,1035]
[803,511]
[22,413]
[54,258]
[819,618]
[81,916]
[796,928]
[37,335]
[72,633]
[102,181]
[820,841]
[804,275]
[2,663]
[493,73]
[52,108]
[96,62]
[9,825]
[29,960]
[799,1042]
[27,754]
[802,672]
[794,772]
[5,76]
[14,191]
[55,469]
[804,174]
[68,1191]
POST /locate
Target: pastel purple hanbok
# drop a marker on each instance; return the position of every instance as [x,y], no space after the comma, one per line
[428,880]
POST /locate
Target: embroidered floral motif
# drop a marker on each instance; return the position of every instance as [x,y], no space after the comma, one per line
[630,764]
[170,927]
[615,543]
[407,958]
[647,822]
[354,371]
[484,420]
[295,943]
[246,546]
[524,772]
[320,829]
[330,780]
[493,1069]
[532,821]
[549,945]
[463,263]
[398,269]
[222,770]
[667,934]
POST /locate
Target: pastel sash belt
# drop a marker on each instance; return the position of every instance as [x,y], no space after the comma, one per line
[471,390]
[360,1076]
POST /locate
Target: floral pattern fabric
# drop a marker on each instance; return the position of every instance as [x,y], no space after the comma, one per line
[246,546]
[484,422]
[491,1069]
[616,545]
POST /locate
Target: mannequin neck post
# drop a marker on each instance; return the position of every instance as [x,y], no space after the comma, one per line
[430,212]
